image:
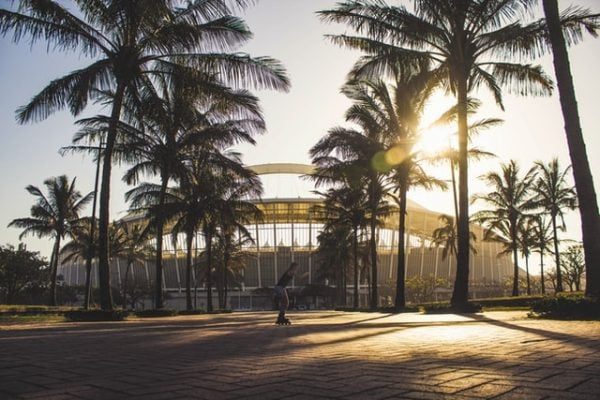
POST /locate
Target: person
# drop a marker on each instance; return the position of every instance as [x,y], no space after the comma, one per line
[281,292]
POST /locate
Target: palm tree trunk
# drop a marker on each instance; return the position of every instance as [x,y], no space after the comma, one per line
[515,289]
[400,302]
[188,272]
[373,244]
[209,304]
[454,194]
[225,280]
[129,264]
[106,302]
[542,271]
[584,182]
[355,255]
[54,271]
[559,285]
[88,282]
[460,295]
[158,290]
[527,274]
[92,244]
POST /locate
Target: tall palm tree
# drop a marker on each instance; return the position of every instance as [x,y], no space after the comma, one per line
[185,115]
[553,195]
[470,44]
[54,214]
[395,111]
[445,235]
[542,240]
[343,211]
[82,247]
[129,242]
[584,182]
[510,199]
[131,42]
[346,157]
[526,244]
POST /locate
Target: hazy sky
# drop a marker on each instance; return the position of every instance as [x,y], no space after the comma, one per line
[289,31]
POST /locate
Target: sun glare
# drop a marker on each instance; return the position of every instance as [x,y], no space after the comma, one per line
[435,140]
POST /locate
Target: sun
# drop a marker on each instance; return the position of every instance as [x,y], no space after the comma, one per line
[435,140]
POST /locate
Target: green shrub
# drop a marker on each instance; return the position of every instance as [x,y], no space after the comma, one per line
[519,301]
[160,313]
[567,307]
[95,315]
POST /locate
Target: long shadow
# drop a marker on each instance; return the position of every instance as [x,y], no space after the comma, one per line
[577,340]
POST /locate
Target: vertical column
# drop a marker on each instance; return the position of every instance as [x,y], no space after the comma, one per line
[175,247]
[275,248]
[392,254]
[310,252]
[257,256]
[119,272]
[407,243]
[423,244]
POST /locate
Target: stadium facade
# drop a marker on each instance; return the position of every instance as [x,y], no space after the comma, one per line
[288,232]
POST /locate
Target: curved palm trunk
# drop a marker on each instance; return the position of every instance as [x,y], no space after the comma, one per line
[542,271]
[559,285]
[527,274]
[88,283]
[54,271]
[355,256]
[454,194]
[106,302]
[373,245]
[400,302]
[188,271]
[209,304]
[513,234]
[584,182]
[158,291]
[125,282]
[515,289]
[460,295]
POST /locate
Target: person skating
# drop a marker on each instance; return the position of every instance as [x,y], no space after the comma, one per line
[281,292]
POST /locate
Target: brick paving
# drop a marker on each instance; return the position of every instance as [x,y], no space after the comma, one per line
[324,355]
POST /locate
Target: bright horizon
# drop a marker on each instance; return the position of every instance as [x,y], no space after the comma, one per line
[289,31]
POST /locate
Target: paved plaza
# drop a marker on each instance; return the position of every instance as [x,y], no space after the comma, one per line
[500,355]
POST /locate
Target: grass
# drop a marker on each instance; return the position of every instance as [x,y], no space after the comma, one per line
[24,319]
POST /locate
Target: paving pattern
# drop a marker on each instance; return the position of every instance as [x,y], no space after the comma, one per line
[324,355]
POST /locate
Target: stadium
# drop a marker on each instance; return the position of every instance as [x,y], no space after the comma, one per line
[288,232]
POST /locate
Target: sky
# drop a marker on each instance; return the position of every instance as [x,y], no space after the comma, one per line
[289,31]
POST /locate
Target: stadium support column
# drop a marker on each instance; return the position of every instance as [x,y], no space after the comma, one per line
[177,264]
[257,258]
[310,253]
[276,275]
[423,244]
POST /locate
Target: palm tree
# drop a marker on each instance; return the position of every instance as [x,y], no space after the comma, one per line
[186,114]
[542,239]
[346,157]
[131,42]
[526,243]
[81,247]
[553,195]
[584,182]
[395,112]
[445,236]
[470,44]
[510,199]
[129,242]
[54,214]
[343,210]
